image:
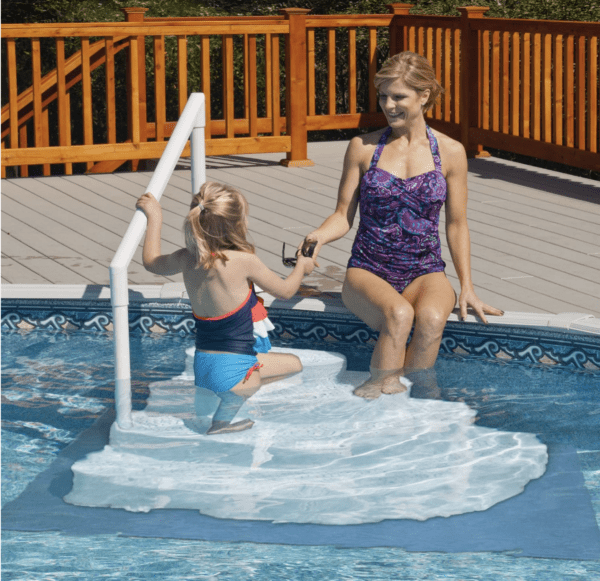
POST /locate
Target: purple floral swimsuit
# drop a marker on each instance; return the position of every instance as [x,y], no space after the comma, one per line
[398,234]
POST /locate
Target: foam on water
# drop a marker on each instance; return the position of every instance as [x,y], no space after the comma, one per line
[316,454]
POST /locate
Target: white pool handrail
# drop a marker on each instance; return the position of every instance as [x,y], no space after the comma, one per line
[190,126]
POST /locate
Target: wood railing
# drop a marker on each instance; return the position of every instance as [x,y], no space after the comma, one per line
[525,86]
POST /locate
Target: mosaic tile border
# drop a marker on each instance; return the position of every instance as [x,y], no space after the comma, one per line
[531,344]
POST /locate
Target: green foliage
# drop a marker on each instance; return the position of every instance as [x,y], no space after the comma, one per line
[585,10]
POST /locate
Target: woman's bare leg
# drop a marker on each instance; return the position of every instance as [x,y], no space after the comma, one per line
[380,306]
[432,299]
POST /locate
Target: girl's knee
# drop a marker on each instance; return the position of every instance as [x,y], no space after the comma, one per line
[296,363]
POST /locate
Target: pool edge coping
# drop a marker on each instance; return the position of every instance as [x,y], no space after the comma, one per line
[307,300]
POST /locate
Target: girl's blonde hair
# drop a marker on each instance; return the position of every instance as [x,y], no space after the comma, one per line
[415,71]
[216,222]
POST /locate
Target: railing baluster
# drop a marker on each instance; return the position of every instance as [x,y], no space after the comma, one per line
[182,71]
[331,96]
[111,106]
[447,74]
[515,83]
[252,82]
[581,97]
[86,79]
[485,79]
[537,82]
[593,93]
[547,89]
[439,53]
[228,86]
[36,71]
[570,91]
[504,97]
[496,87]
[310,65]
[205,56]
[372,69]
[13,97]
[160,104]
[276,97]
[558,89]
[525,83]
[134,100]
[352,70]
[246,83]
[456,75]
[268,77]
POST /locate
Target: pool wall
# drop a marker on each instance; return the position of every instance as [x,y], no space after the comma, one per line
[325,320]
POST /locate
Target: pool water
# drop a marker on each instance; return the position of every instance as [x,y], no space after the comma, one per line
[56,384]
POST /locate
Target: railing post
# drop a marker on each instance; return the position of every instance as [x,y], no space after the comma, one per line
[296,107]
[136,14]
[469,78]
[398,40]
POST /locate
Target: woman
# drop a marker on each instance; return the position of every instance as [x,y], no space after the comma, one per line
[401,176]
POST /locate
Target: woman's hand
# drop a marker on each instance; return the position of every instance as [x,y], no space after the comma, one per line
[311,238]
[150,206]
[468,298]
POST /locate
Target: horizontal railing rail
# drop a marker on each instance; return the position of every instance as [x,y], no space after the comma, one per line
[525,86]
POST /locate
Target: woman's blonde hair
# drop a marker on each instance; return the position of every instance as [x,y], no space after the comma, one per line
[216,222]
[415,71]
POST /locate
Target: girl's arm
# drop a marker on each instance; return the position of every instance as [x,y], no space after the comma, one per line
[152,258]
[267,280]
[340,222]
[457,230]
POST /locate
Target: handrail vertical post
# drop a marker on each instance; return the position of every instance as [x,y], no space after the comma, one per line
[198,151]
[469,77]
[296,102]
[190,125]
[398,39]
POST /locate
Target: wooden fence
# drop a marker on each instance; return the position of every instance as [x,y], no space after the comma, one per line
[519,85]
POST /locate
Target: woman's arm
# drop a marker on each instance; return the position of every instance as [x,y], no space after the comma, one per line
[339,223]
[457,230]
[152,258]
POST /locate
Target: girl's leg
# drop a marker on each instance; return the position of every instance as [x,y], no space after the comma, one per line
[274,366]
[380,306]
[433,299]
[277,366]
[231,402]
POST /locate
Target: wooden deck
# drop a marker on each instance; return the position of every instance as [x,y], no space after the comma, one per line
[535,234]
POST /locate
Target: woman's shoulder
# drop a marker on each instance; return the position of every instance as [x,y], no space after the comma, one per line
[448,146]
[362,147]
[452,153]
[367,140]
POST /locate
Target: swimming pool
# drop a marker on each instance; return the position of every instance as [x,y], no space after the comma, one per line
[53,389]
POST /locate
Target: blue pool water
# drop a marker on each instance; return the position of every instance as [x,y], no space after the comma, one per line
[55,385]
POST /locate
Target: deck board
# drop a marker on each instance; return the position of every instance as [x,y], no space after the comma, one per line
[535,234]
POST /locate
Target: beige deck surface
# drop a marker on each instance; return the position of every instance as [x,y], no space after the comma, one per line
[535,234]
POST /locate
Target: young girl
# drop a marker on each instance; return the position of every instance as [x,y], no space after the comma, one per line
[219,268]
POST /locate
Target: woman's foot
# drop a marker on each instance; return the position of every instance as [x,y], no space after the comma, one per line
[381,381]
